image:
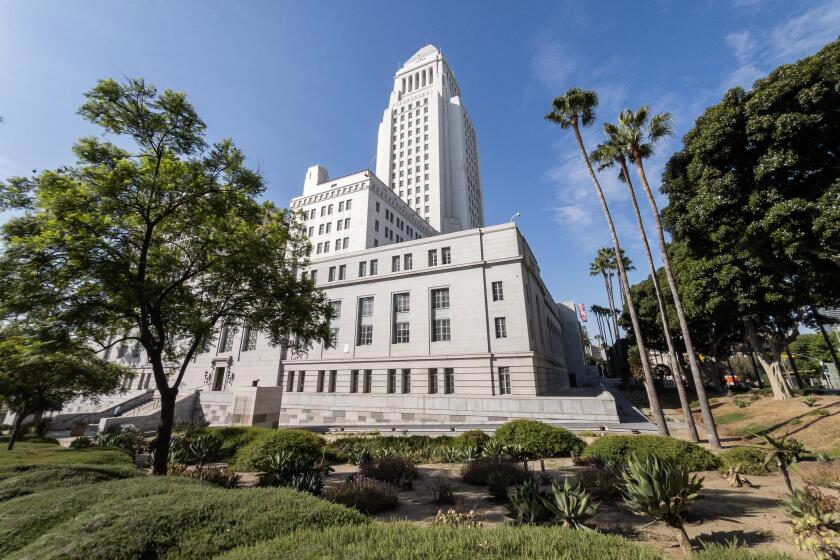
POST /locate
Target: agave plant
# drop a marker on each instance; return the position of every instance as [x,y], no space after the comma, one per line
[571,505]
[360,455]
[179,452]
[386,453]
[663,489]
[470,454]
[517,452]
[449,454]
[784,451]
[203,448]
[494,448]
[526,504]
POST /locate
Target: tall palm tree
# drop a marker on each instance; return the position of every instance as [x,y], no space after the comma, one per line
[575,109]
[628,266]
[608,154]
[603,265]
[639,132]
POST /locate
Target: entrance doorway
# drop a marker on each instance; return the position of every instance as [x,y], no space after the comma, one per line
[218,379]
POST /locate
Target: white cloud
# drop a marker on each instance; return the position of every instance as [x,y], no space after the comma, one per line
[553,64]
[743,44]
[804,35]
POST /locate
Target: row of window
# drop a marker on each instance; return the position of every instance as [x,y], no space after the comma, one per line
[371,267]
[327,227]
[324,246]
[326,381]
[327,209]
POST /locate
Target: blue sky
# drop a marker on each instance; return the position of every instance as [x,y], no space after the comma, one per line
[299,83]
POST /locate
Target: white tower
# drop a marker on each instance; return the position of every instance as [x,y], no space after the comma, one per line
[427,151]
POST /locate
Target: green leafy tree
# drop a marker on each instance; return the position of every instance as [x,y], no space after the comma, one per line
[43,367]
[756,188]
[159,238]
[574,109]
[607,154]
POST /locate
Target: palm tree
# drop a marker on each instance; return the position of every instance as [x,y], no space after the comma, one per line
[628,266]
[638,134]
[603,264]
[575,109]
[606,155]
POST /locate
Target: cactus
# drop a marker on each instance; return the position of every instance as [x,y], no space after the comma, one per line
[662,489]
[571,505]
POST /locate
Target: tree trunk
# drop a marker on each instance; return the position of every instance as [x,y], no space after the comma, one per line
[164,429]
[663,312]
[771,364]
[682,538]
[708,418]
[615,336]
[827,340]
[16,428]
[653,398]
[794,368]
[786,476]
[751,355]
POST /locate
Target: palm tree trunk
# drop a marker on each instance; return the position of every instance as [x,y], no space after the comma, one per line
[682,538]
[663,312]
[827,340]
[708,418]
[618,370]
[786,476]
[653,398]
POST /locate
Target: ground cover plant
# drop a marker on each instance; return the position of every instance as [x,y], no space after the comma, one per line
[27,479]
[26,453]
[620,448]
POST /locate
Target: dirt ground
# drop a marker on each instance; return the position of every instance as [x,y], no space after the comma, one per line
[752,516]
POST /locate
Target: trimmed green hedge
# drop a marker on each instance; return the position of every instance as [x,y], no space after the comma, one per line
[621,448]
[470,439]
[406,541]
[540,439]
[156,517]
[300,442]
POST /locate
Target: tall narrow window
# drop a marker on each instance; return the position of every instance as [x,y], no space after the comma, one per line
[226,342]
[406,381]
[365,322]
[354,381]
[374,267]
[392,381]
[446,255]
[433,380]
[433,259]
[395,263]
[407,262]
[498,291]
[501,327]
[333,375]
[440,315]
[504,381]
[362,269]
[290,382]
[368,380]
[320,387]
[342,271]
[301,381]
[448,380]
[249,338]
[331,274]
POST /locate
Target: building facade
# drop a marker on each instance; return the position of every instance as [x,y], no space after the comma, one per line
[427,150]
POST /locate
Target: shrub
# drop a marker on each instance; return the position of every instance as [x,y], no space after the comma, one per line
[235,438]
[742,403]
[750,459]
[367,495]
[783,451]
[478,472]
[494,448]
[816,522]
[303,444]
[219,476]
[180,519]
[663,489]
[603,480]
[81,442]
[621,448]
[287,469]
[470,439]
[540,439]
[527,505]
[455,518]
[128,438]
[501,480]
[442,492]
[395,470]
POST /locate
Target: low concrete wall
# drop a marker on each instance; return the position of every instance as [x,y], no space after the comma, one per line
[183,412]
[124,402]
[325,409]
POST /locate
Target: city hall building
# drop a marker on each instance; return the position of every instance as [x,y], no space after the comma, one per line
[441,323]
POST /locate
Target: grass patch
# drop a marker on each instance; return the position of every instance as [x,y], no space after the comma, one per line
[749,431]
[826,475]
[729,552]
[32,454]
[25,480]
[156,517]
[405,541]
[730,418]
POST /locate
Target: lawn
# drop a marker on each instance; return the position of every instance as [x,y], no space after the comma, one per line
[26,453]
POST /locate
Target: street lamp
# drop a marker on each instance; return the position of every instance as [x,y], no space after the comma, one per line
[515,217]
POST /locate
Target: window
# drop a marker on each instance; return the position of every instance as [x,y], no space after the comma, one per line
[347,207]
[336,309]
[226,340]
[395,263]
[440,330]
[501,327]
[347,220]
[354,381]
[374,267]
[362,269]
[401,332]
[333,341]
[301,381]
[346,242]
[406,381]
[249,339]
[504,381]
[341,206]
[392,381]
[498,291]
[290,382]
[329,209]
[312,214]
[366,306]
[338,225]
[377,206]
[368,381]
[311,231]
[432,257]
[433,381]
[329,227]
[440,298]
[375,225]
[365,335]
[313,275]
[332,380]
[407,262]
[323,211]
[326,246]
[331,274]
[448,380]
[342,270]
[445,254]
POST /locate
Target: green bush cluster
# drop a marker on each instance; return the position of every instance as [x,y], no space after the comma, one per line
[540,439]
[619,449]
[395,470]
[750,459]
[479,471]
[303,444]
[367,495]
